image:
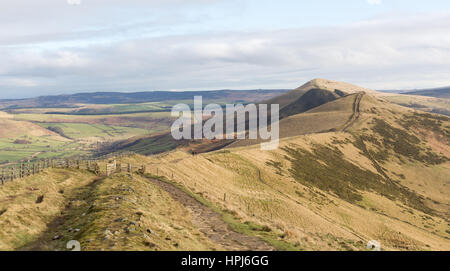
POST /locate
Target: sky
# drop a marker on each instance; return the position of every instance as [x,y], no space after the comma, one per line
[70,46]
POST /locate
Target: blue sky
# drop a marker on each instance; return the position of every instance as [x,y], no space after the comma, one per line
[66,46]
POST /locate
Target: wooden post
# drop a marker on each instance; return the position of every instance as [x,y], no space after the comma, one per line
[142,169]
[129,168]
[224,196]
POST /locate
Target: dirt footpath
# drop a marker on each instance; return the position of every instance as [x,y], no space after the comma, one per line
[211,223]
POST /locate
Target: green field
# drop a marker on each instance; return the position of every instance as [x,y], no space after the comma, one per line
[39,148]
[44,117]
[67,135]
[84,130]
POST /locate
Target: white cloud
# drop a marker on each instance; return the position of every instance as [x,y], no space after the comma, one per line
[374,2]
[391,52]
[74,2]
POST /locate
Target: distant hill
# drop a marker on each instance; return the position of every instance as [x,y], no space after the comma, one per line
[436,100]
[68,101]
[340,88]
[319,105]
[434,92]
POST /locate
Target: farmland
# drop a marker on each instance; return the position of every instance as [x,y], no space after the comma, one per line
[78,125]
[38,133]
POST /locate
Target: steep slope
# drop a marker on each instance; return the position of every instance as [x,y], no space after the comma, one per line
[330,116]
[339,88]
[313,94]
[309,100]
[385,179]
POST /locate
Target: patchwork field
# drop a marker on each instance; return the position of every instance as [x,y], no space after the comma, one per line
[35,134]
[80,124]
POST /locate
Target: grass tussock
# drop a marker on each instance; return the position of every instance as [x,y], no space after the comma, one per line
[327,169]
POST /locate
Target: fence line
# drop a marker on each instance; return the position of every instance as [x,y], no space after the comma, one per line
[20,171]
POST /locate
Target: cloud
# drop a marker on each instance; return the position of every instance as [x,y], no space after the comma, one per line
[74,2]
[383,53]
[374,2]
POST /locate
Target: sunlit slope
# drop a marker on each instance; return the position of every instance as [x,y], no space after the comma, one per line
[384,179]
[11,128]
[337,87]
[331,116]
[293,112]
[123,212]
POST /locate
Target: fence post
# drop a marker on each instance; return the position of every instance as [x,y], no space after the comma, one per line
[97,169]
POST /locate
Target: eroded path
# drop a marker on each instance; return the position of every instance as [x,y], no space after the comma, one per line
[211,223]
[356,111]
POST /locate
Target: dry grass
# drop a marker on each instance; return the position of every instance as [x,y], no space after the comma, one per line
[265,194]
[124,212]
[24,220]
[12,128]
[257,187]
